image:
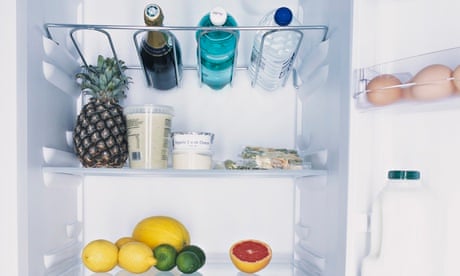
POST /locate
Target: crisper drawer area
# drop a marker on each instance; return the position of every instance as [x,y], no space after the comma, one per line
[217,212]
[218,209]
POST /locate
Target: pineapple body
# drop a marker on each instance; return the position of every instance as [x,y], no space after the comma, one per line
[100,135]
[100,131]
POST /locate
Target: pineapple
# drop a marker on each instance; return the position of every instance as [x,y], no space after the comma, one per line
[100,131]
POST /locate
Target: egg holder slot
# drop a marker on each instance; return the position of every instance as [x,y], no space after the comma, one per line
[426,78]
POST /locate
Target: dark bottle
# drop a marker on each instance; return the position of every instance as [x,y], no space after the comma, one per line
[160,52]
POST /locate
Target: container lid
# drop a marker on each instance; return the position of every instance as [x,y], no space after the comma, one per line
[194,133]
[149,108]
[218,16]
[283,16]
[397,174]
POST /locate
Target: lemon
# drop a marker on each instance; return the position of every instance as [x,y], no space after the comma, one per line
[157,230]
[136,257]
[100,255]
[166,257]
[188,262]
[121,241]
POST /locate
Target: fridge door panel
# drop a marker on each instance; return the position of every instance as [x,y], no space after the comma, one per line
[411,135]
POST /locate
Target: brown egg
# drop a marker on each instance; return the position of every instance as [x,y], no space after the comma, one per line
[456,81]
[432,82]
[384,89]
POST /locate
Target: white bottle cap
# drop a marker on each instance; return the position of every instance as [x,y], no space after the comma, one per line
[218,16]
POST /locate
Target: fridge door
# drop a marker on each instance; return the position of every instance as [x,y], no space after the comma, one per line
[402,37]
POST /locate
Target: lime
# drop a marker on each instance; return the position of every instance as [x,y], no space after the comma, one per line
[188,262]
[166,257]
[198,251]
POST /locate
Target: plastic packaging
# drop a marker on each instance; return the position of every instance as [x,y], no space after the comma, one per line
[217,49]
[404,229]
[149,129]
[274,51]
[192,150]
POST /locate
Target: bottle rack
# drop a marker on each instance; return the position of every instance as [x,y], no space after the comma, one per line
[136,30]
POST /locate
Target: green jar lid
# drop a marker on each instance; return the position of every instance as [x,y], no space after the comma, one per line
[397,174]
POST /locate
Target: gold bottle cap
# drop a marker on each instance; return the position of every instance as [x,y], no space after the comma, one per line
[153,15]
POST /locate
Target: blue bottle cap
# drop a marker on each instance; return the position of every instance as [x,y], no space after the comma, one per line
[283,16]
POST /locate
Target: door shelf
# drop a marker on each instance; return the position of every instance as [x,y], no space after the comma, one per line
[137,30]
[128,172]
[428,81]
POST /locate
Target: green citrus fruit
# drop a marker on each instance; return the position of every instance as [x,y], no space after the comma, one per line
[166,257]
[198,251]
[188,262]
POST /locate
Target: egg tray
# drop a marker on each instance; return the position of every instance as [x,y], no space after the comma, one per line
[424,78]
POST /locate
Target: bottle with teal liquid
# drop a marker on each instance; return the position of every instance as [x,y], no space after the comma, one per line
[216,53]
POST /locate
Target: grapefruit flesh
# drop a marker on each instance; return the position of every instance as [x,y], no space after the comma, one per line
[250,256]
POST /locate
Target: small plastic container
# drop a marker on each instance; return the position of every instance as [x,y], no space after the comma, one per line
[149,130]
[192,140]
[192,160]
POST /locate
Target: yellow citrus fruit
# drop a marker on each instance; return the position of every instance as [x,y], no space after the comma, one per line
[100,255]
[136,257]
[157,230]
[250,256]
[121,241]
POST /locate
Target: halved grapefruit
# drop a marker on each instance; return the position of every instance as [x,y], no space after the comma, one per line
[250,256]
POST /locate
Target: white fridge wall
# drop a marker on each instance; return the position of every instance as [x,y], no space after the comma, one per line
[45,113]
[9,191]
[216,211]
[422,137]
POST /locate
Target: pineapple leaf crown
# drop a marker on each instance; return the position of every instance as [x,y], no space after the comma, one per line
[106,80]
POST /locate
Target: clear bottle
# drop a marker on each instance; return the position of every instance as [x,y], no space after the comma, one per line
[273,52]
[160,52]
[217,49]
[405,237]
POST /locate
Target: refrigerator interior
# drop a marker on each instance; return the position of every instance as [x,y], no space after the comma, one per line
[301,214]
[402,38]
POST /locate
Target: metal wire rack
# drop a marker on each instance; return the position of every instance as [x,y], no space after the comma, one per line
[137,30]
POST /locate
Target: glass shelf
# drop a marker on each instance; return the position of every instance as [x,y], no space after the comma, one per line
[183,173]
